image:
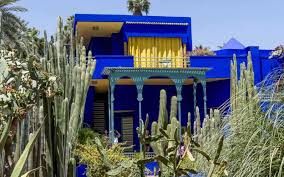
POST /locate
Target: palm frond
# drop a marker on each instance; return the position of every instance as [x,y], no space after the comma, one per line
[146,6]
[7,2]
[130,5]
[138,6]
[14,9]
[9,18]
[12,26]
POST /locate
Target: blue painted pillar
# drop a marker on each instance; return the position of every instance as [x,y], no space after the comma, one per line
[140,99]
[194,96]
[178,84]
[179,99]
[139,85]
[203,82]
[111,116]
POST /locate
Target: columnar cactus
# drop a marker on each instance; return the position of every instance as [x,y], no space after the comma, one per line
[65,111]
[166,141]
[163,113]
[242,89]
[50,99]
[234,79]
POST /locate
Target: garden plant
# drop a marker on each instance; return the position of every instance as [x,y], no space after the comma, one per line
[43,89]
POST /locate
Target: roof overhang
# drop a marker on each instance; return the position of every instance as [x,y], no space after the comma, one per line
[94,25]
[87,30]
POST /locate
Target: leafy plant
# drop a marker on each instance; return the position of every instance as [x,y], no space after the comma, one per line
[87,135]
[48,92]
[201,51]
[103,160]
[19,93]
[166,143]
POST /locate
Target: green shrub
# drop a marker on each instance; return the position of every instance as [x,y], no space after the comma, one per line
[87,135]
[103,160]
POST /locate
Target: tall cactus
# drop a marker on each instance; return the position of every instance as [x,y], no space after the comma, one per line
[242,89]
[50,101]
[65,112]
[167,142]
[163,113]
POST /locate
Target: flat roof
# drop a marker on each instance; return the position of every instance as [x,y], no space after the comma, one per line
[129,18]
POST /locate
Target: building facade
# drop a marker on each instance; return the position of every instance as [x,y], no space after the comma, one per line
[137,56]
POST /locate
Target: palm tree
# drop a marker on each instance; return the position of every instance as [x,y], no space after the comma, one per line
[31,43]
[201,51]
[11,26]
[138,6]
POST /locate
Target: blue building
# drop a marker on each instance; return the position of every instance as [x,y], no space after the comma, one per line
[137,56]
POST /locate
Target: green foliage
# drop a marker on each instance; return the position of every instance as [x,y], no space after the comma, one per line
[103,160]
[27,174]
[65,112]
[19,94]
[32,43]
[254,142]
[202,51]
[87,135]
[23,158]
[51,93]
[166,143]
[11,26]
[254,146]
[138,6]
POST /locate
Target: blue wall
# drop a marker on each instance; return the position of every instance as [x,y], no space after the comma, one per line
[117,44]
[88,113]
[101,46]
[103,61]
[126,99]
[220,64]
[107,45]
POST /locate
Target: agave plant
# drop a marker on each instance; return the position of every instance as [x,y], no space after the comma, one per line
[137,7]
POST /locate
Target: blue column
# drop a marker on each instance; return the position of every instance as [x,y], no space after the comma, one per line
[111,116]
[194,96]
[139,85]
[203,82]
[140,99]
[179,99]
[178,84]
